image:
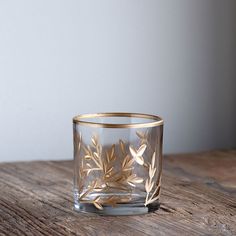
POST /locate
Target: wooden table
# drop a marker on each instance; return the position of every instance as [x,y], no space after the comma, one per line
[198,198]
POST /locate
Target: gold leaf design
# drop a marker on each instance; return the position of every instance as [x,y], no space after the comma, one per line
[94,140]
[88,152]
[95,159]
[137,154]
[90,189]
[97,204]
[111,201]
[122,147]
[133,179]
[141,135]
[150,183]
[111,154]
[144,136]
[114,200]
[127,163]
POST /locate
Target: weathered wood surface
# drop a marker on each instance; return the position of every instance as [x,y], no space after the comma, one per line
[198,198]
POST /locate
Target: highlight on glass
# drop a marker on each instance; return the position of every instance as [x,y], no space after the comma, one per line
[117,163]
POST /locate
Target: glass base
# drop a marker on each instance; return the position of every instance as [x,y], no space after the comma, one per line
[119,209]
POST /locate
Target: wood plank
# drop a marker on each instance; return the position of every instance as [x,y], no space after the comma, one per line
[198,198]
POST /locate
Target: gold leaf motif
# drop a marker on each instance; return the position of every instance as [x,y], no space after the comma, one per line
[111,201]
[127,163]
[110,155]
[96,158]
[153,199]
[88,165]
[112,152]
[99,149]
[147,186]
[87,150]
[122,147]
[104,162]
[137,154]
[98,206]
[152,172]
[94,140]
[140,135]
[153,159]
[143,137]
[152,169]
[138,180]
[150,183]
[87,157]
[133,179]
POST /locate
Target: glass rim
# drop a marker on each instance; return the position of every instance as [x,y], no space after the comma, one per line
[158,121]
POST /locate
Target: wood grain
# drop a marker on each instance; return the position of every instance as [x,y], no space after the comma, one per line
[198,198]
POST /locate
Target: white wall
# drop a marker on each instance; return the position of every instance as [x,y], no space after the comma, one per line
[60,58]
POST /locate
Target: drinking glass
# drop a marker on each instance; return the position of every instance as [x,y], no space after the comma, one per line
[117,163]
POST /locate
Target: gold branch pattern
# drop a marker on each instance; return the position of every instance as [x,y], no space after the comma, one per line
[111,176]
[144,137]
[150,183]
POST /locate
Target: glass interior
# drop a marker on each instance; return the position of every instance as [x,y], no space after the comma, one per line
[118,120]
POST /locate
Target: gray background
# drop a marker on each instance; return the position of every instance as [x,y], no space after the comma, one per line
[60,58]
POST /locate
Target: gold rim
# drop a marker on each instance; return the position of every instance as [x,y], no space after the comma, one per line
[158,120]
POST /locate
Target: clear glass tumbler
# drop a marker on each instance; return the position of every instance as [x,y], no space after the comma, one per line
[117,163]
